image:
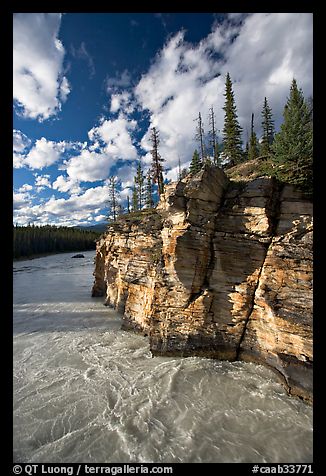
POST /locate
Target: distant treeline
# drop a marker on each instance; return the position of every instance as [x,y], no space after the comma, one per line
[33,240]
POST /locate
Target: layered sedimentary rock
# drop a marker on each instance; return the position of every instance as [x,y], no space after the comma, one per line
[221,269]
[125,268]
[279,330]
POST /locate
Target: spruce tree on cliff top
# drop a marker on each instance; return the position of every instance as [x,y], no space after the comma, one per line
[195,164]
[213,136]
[113,204]
[268,129]
[149,202]
[293,145]
[139,180]
[232,130]
[157,160]
[253,143]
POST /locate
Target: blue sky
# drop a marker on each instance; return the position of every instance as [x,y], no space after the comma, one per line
[89,86]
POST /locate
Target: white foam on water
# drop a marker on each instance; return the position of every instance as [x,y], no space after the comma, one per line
[86,391]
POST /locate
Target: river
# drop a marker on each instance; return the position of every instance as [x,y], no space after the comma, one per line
[87,392]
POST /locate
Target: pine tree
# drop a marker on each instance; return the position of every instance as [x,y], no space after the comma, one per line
[310,102]
[232,131]
[268,129]
[253,142]
[213,136]
[134,201]
[139,184]
[179,169]
[246,153]
[293,145]
[200,136]
[149,202]
[31,240]
[195,164]
[128,204]
[157,169]
[113,198]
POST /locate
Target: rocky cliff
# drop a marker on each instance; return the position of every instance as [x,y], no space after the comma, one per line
[220,269]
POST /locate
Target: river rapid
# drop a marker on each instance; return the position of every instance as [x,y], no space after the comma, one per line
[87,392]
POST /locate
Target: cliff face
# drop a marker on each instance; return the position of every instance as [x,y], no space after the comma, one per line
[221,270]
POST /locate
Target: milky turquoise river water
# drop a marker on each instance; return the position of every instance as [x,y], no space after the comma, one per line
[86,391]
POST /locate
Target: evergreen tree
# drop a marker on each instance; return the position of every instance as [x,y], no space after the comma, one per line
[32,240]
[246,153]
[135,202]
[268,129]
[182,172]
[139,184]
[157,169]
[179,168]
[149,202]
[195,164]
[293,145]
[253,142]
[200,136]
[128,204]
[114,208]
[213,136]
[310,104]
[232,141]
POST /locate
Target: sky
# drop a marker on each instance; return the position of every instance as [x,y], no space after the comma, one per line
[88,88]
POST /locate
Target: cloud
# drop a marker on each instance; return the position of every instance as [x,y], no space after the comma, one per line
[88,166]
[181,82]
[270,49]
[72,211]
[25,188]
[20,141]
[100,218]
[126,175]
[39,86]
[43,154]
[122,101]
[66,185]
[114,137]
[21,200]
[122,80]
[262,52]
[42,181]
[20,144]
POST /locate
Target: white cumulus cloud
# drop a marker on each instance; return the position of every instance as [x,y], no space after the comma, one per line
[110,142]
[42,181]
[20,141]
[39,86]
[25,188]
[88,166]
[116,137]
[44,153]
[122,101]
[66,184]
[71,211]
[262,53]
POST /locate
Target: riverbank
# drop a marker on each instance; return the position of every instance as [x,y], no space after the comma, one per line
[42,255]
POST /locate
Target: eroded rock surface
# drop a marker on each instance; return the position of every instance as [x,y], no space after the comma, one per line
[221,269]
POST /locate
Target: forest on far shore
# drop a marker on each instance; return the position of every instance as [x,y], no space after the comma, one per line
[34,240]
